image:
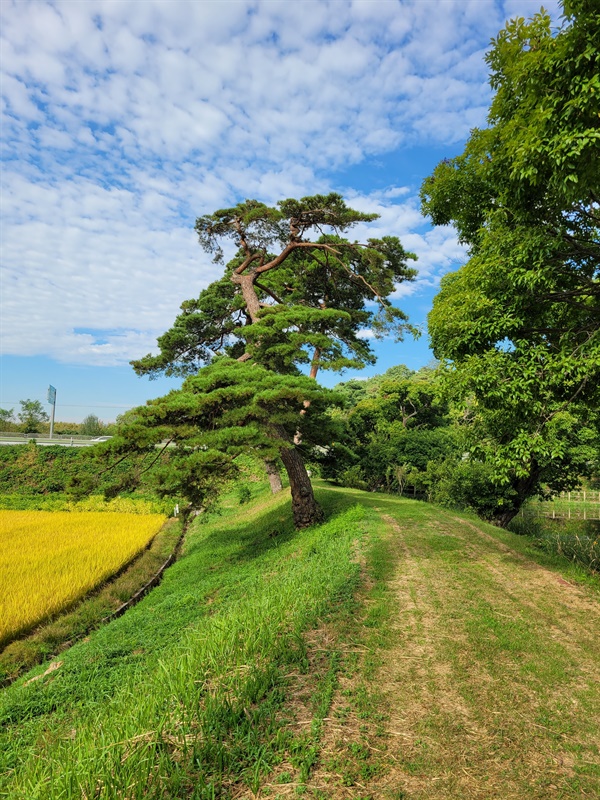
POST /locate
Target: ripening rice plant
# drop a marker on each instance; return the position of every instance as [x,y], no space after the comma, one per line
[50,559]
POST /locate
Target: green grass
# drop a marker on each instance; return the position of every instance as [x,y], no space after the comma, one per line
[574,539]
[60,501]
[365,635]
[180,696]
[393,619]
[478,673]
[503,649]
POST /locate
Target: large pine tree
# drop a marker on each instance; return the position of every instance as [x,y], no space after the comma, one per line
[296,293]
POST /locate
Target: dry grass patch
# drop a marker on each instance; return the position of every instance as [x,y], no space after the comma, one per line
[488,697]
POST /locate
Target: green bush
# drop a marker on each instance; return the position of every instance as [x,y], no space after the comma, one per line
[466,484]
[353,478]
[244,494]
[32,470]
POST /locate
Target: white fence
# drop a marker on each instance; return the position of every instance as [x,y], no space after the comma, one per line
[567,513]
[581,496]
[582,504]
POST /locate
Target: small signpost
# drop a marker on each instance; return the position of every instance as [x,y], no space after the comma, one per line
[52,401]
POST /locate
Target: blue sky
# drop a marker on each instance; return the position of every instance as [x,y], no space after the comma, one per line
[123,121]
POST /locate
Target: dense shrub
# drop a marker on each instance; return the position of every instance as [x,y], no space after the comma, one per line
[33,470]
[465,484]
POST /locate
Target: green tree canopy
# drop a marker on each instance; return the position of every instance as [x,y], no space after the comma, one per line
[304,305]
[285,300]
[7,416]
[91,425]
[400,422]
[32,415]
[228,408]
[520,321]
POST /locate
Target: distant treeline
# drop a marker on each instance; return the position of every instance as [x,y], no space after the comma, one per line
[33,418]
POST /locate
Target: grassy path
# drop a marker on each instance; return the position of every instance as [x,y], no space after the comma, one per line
[488,683]
[397,652]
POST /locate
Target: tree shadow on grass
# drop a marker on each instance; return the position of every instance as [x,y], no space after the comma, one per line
[272,528]
[233,540]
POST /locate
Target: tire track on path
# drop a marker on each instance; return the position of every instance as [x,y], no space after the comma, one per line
[490,688]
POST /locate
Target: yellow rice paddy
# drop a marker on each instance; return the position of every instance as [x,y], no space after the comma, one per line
[49,559]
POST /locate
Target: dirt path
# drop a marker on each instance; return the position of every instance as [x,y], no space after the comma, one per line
[490,685]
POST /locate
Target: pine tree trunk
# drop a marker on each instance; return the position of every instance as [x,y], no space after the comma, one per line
[305,508]
[273,475]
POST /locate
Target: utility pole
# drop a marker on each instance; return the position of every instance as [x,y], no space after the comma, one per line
[52,401]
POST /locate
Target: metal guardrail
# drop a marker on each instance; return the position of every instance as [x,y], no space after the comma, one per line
[58,436]
[62,440]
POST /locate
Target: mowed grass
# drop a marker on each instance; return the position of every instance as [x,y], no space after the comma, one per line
[397,652]
[48,560]
[480,673]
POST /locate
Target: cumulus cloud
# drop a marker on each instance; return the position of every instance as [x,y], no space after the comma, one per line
[437,250]
[123,121]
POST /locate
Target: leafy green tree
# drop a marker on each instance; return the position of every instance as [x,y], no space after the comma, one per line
[91,426]
[31,416]
[285,301]
[67,428]
[352,391]
[7,418]
[400,425]
[356,390]
[519,322]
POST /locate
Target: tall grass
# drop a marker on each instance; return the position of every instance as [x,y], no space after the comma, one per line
[59,501]
[182,696]
[577,540]
[50,559]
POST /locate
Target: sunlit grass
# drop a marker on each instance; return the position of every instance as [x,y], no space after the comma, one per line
[214,647]
[50,559]
[378,650]
[60,501]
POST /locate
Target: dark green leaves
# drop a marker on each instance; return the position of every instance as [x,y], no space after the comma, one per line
[521,320]
[255,227]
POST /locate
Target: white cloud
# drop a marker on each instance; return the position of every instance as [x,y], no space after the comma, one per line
[366,333]
[123,120]
[338,77]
